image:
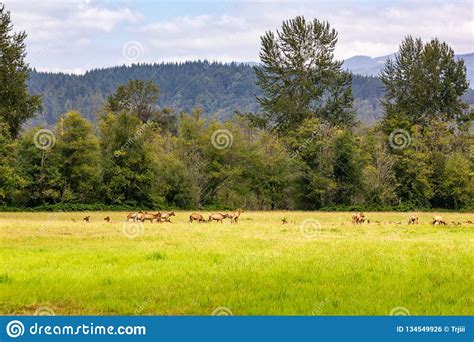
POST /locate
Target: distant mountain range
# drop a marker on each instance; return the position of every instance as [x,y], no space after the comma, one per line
[219,89]
[368,66]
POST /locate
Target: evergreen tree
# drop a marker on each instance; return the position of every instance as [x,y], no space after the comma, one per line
[16,105]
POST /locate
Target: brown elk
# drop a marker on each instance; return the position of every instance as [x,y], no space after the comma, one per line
[196,217]
[150,217]
[235,215]
[358,218]
[87,219]
[413,219]
[166,216]
[438,220]
[135,216]
[107,219]
[217,217]
[284,221]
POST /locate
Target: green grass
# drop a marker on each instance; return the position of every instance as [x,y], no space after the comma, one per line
[255,267]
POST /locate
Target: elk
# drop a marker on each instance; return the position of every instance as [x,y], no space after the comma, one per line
[235,215]
[135,216]
[218,217]
[150,217]
[413,219]
[107,219]
[438,220]
[166,216]
[358,218]
[284,221]
[87,219]
[196,217]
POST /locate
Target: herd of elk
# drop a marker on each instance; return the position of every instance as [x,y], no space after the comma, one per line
[357,218]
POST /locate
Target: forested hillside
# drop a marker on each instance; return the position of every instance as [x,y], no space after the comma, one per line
[219,89]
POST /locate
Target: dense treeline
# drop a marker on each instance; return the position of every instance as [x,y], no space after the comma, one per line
[302,150]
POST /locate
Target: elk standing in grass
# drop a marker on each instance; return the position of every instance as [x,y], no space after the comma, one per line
[196,217]
[87,219]
[358,218]
[135,216]
[235,215]
[166,216]
[413,219]
[150,217]
[217,217]
[107,219]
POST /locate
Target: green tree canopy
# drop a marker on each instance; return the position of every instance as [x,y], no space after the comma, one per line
[300,78]
[424,84]
[16,105]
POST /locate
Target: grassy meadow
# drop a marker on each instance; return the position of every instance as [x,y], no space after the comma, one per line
[256,267]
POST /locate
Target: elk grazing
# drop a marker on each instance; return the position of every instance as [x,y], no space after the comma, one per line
[358,218]
[150,217]
[235,215]
[107,219]
[284,221]
[413,219]
[87,219]
[196,217]
[217,217]
[438,220]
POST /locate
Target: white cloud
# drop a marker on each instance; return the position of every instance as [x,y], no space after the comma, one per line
[81,34]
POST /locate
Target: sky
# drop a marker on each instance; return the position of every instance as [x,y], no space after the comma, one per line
[78,35]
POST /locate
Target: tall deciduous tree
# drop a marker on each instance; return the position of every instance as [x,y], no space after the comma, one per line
[79,153]
[300,78]
[16,105]
[138,97]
